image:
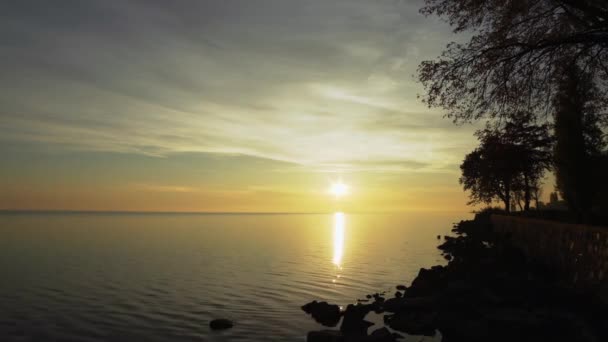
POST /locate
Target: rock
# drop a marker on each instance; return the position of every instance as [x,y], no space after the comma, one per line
[394,304]
[323,312]
[438,237]
[413,323]
[368,296]
[428,281]
[354,322]
[221,324]
[324,336]
[378,297]
[398,294]
[401,287]
[410,304]
[381,335]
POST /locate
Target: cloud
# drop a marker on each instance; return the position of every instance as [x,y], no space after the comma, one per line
[323,84]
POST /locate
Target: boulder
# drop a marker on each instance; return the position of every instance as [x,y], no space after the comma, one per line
[394,304]
[221,324]
[410,303]
[413,323]
[324,336]
[323,312]
[428,281]
[382,335]
[354,322]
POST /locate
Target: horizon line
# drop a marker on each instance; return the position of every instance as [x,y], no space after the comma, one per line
[169,212]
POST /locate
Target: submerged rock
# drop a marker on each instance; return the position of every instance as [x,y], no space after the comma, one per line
[413,323]
[324,336]
[382,335]
[354,322]
[323,312]
[221,324]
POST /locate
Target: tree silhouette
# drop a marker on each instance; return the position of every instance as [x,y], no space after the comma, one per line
[579,139]
[509,163]
[513,60]
[488,173]
[534,145]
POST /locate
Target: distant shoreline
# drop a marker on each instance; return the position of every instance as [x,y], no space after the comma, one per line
[126,212]
[219,213]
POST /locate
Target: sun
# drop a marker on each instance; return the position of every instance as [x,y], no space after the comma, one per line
[338,189]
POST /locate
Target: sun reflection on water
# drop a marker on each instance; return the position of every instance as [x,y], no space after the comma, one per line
[338,238]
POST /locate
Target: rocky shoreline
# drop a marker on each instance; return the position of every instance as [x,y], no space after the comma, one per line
[487,292]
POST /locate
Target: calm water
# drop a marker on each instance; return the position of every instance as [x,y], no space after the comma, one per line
[162,277]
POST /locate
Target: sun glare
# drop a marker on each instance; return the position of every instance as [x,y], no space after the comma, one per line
[338,189]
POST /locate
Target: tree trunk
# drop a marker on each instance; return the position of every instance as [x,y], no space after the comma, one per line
[507,201]
[527,196]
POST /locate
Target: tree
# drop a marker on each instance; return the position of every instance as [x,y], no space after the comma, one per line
[579,139]
[509,163]
[512,61]
[535,156]
[488,174]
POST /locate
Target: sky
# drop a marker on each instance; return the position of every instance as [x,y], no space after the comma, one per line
[223,106]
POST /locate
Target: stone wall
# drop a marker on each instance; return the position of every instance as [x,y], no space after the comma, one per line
[578,252]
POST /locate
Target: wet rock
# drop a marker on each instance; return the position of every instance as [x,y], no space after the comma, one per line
[428,281]
[354,322]
[221,324]
[378,297]
[401,287]
[394,304]
[398,294]
[455,327]
[382,335]
[323,312]
[325,336]
[410,304]
[413,323]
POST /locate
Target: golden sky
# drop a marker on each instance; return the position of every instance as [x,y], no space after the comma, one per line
[223,106]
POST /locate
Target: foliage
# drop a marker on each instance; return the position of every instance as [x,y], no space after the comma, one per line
[512,61]
[509,162]
[579,139]
[488,173]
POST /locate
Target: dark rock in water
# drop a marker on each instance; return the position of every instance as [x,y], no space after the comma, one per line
[410,304]
[368,296]
[428,281]
[354,322]
[382,335]
[394,304]
[413,323]
[378,297]
[221,324]
[325,336]
[398,294]
[401,287]
[438,237]
[323,312]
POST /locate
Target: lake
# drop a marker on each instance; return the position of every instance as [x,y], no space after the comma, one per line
[163,277]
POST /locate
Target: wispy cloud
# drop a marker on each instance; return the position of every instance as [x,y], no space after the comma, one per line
[324,84]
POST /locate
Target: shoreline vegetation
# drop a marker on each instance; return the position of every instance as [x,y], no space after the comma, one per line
[488,291]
